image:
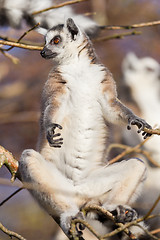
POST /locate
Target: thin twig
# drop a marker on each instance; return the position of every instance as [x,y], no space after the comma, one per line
[148,156]
[137,25]
[152,131]
[11,233]
[97,208]
[147,232]
[130,150]
[127,151]
[6,38]
[152,208]
[23,35]
[5,200]
[20,45]
[15,60]
[58,6]
[116,36]
[155,231]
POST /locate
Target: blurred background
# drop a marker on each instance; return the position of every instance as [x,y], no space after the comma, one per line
[20,90]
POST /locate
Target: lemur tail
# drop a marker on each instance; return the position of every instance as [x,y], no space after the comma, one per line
[14,14]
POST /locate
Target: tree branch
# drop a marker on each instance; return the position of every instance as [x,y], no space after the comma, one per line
[116,36]
[11,233]
[120,227]
[21,45]
[152,208]
[12,58]
[137,25]
[23,35]
[127,151]
[58,6]
[5,200]
[152,131]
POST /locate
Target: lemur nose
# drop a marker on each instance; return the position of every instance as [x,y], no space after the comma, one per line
[42,53]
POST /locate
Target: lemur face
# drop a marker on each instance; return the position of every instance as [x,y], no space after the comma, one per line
[60,41]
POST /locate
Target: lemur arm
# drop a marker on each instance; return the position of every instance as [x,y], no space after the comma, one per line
[52,92]
[115,111]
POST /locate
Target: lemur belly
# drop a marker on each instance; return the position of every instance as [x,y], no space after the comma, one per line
[84,131]
[84,134]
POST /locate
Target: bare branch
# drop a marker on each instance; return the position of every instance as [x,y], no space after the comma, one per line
[152,208]
[13,194]
[12,58]
[147,232]
[21,45]
[58,6]
[6,38]
[128,151]
[23,35]
[137,25]
[116,36]
[152,131]
[11,233]
[155,231]
[107,214]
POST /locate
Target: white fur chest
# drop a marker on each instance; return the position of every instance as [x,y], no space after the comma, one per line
[84,130]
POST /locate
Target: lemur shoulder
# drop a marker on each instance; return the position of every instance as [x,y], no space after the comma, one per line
[70,168]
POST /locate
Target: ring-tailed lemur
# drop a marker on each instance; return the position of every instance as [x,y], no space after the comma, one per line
[144,73]
[72,172]
[14,12]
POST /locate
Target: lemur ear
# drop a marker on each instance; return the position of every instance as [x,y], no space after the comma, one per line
[72,28]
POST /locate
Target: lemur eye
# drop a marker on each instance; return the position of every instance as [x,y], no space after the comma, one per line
[55,40]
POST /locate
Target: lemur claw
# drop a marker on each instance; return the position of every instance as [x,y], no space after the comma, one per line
[124,214]
[141,124]
[51,135]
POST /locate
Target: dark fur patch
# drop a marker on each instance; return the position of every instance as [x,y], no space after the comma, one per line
[58,28]
[3,17]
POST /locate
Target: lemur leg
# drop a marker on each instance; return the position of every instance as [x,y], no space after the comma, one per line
[115,184]
[52,190]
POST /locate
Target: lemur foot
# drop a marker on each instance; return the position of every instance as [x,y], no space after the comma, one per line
[140,123]
[77,233]
[124,214]
[51,136]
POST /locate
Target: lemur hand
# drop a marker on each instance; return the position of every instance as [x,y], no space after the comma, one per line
[141,124]
[51,136]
